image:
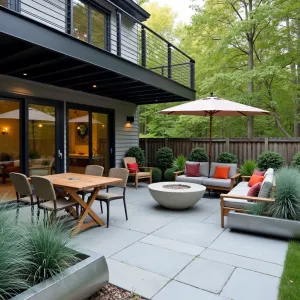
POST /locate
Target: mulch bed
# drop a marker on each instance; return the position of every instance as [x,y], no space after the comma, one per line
[112,292]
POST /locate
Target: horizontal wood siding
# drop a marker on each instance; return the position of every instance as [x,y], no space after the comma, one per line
[245,149]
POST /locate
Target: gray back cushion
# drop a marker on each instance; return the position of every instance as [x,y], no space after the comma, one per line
[203,168]
[270,171]
[232,171]
[267,185]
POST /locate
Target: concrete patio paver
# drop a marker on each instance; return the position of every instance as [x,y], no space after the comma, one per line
[158,260]
[134,279]
[249,285]
[257,247]
[172,245]
[192,232]
[180,291]
[243,262]
[206,274]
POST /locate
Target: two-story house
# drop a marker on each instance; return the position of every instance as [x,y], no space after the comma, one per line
[72,74]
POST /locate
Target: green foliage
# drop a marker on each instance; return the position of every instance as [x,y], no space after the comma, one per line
[164,158]
[33,154]
[248,167]
[156,174]
[199,155]
[290,281]
[169,174]
[257,209]
[13,258]
[138,153]
[287,195]
[49,248]
[227,157]
[179,163]
[296,161]
[269,159]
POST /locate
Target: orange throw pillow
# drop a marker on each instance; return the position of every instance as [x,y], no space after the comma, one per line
[221,172]
[255,179]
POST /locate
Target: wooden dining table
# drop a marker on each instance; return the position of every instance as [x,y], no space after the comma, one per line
[68,184]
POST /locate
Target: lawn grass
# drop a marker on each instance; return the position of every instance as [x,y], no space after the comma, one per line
[289,288]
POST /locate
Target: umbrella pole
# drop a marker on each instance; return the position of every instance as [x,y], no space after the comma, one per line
[210,139]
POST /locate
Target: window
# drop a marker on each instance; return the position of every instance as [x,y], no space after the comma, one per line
[89,24]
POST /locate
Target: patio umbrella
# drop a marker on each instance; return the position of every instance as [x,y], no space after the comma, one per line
[33,116]
[211,107]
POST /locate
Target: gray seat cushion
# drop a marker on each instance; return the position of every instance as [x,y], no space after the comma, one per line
[184,178]
[237,203]
[232,171]
[203,168]
[216,182]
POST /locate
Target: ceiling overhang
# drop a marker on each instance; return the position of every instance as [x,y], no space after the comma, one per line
[52,57]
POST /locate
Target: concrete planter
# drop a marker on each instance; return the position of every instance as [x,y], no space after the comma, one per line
[281,228]
[176,198]
[76,283]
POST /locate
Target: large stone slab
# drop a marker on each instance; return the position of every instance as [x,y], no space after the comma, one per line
[134,279]
[249,285]
[154,259]
[179,291]
[206,274]
[192,232]
[243,262]
[257,247]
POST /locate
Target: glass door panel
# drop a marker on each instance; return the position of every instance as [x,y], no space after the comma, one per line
[41,139]
[79,134]
[9,146]
[100,153]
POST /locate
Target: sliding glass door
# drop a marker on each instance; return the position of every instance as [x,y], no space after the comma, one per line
[90,138]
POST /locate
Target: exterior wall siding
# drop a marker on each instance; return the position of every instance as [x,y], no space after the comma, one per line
[125,137]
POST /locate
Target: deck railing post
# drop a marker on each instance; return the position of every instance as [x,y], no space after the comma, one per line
[144,48]
[192,74]
[170,61]
[69,17]
[119,33]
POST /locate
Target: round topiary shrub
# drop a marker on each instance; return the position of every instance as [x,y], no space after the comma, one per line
[138,153]
[164,158]
[296,161]
[269,160]
[156,175]
[199,155]
[169,174]
[227,158]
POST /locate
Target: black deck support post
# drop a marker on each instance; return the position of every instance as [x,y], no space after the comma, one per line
[144,48]
[169,61]
[119,33]
[192,74]
[89,24]
[69,17]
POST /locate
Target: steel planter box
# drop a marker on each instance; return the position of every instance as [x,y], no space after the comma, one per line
[76,283]
[281,228]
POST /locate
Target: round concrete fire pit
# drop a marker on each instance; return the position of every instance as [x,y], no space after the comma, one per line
[176,195]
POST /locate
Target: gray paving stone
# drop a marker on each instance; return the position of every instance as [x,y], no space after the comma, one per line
[215,219]
[107,241]
[172,245]
[243,262]
[257,247]
[249,285]
[179,291]
[206,274]
[154,259]
[134,279]
[192,232]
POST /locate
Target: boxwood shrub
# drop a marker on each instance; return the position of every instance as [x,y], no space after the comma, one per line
[169,174]
[296,161]
[138,153]
[156,174]
[269,159]
[227,157]
[199,155]
[164,158]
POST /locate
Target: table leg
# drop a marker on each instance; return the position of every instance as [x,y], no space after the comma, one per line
[87,210]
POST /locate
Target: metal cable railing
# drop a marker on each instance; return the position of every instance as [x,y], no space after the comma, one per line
[112,29]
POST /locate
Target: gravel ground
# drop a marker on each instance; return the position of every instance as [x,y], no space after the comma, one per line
[112,292]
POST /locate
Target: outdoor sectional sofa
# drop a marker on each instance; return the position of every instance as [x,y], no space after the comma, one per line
[237,199]
[206,176]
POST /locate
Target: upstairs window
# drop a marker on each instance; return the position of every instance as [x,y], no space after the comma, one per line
[90,24]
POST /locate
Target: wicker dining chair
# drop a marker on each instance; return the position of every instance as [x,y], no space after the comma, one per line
[24,192]
[44,190]
[94,170]
[108,197]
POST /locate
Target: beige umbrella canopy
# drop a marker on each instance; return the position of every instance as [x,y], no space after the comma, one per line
[214,106]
